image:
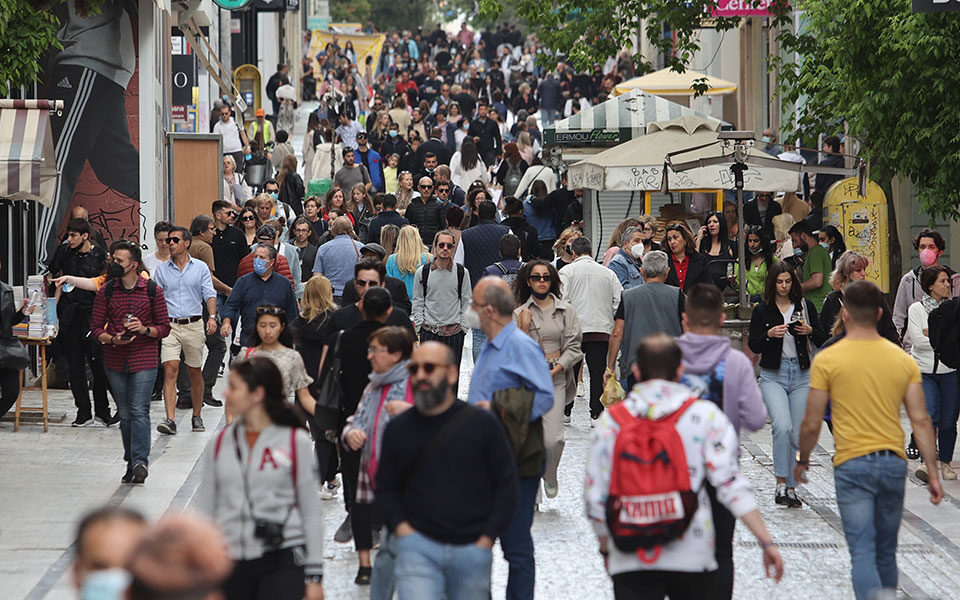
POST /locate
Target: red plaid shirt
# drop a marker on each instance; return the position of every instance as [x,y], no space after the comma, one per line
[108,315]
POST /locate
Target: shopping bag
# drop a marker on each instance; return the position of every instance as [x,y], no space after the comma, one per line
[612,392]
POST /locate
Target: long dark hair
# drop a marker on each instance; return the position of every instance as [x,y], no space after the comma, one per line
[684,232]
[766,248]
[272,310]
[707,242]
[521,287]
[468,155]
[257,372]
[838,246]
[770,286]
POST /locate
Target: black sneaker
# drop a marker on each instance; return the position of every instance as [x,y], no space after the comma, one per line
[781,495]
[127,476]
[184,402]
[82,421]
[363,576]
[197,423]
[139,473]
[211,401]
[913,453]
[102,420]
[792,500]
[156,396]
[344,533]
[167,426]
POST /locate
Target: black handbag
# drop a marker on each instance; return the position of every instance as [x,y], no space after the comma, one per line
[13,354]
[329,390]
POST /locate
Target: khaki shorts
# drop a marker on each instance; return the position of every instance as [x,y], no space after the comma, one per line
[191,338]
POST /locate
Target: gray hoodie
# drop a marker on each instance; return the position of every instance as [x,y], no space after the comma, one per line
[270,481]
[742,401]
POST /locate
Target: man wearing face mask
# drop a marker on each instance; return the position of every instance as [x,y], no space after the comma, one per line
[815,279]
[770,145]
[263,286]
[445,484]
[106,539]
[625,263]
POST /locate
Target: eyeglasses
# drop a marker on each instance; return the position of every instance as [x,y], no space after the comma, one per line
[302,230]
[428,368]
[443,190]
[270,309]
[375,350]
[426,187]
[367,282]
[544,278]
[173,240]
[361,136]
[444,245]
[249,218]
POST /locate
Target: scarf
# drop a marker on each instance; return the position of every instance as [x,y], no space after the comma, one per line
[366,418]
[929,303]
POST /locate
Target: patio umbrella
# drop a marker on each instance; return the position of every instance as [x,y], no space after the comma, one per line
[667,82]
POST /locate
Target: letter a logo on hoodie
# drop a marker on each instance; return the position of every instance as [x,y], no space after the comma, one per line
[267,456]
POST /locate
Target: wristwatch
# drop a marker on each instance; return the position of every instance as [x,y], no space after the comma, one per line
[805,463]
[308,579]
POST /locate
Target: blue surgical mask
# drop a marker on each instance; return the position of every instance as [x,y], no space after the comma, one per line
[274,195]
[826,246]
[797,252]
[393,133]
[108,584]
[767,139]
[259,266]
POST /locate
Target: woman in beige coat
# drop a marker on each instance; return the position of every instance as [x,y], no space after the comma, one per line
[553,324]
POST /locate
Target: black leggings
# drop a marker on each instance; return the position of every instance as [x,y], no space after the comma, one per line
[656,585]
[9,389]
[274,576]
[361,522]
[724,522]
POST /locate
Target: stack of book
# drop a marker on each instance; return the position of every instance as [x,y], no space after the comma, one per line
[38,319]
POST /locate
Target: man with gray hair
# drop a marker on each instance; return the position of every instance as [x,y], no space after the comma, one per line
[654,307]
[624,262]
[263,286]
[594,292]
[336,258]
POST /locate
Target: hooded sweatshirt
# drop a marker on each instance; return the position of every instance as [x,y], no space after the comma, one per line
[742,400]
[710,446]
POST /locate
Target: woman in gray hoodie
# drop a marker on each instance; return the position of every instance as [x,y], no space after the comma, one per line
[260,485]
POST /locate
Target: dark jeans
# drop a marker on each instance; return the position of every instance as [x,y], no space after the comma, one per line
[656,585]
[454,341]
[78,347]
[724,522]
[517,543]
[327,458]
[273,576]
[132,394]
[216,350]
[596,359]
[941,393]
[9,389]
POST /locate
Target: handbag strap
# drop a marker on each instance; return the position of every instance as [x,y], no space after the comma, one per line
[438,439]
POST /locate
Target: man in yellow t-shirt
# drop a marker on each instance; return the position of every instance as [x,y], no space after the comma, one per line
[867,378]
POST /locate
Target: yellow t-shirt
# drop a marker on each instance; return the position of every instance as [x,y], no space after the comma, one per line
[867,382]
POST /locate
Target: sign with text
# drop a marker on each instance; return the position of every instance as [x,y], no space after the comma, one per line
[743,8]
[935,5]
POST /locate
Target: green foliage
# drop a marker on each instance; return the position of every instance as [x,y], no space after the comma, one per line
[26,34]
[892,76]
[350,11]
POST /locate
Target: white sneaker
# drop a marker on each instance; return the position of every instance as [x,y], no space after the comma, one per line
[581,389]
[551,490]
[566,419]
[326,494]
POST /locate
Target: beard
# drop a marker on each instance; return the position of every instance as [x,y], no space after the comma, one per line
[429,396]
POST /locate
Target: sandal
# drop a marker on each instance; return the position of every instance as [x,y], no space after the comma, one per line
[363,576]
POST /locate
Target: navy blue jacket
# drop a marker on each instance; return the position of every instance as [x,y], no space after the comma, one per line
[481,247]
[251,291]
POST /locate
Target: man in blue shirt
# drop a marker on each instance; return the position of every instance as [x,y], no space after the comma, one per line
[187,285]
[336,258]
[263,286]
[510,359]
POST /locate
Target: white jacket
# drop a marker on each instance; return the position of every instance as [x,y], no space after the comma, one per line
[710,445]
[594,291]
[533,173]
[922,351]
[321,160]
[463,177]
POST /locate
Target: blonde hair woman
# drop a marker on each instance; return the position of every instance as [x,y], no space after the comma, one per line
[562,245]
[404,191]
[781,233]
[388,238]
[409,255]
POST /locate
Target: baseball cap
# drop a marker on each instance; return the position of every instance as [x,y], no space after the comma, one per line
[375,249]
[267,232]
[260,112]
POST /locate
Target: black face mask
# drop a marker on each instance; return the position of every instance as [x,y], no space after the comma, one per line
[539,296]
[115,271]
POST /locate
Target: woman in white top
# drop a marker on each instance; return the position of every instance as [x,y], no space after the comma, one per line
[536,172]
[321,168]
[939,381]
[467,167]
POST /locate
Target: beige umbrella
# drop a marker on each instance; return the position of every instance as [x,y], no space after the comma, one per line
[667,82]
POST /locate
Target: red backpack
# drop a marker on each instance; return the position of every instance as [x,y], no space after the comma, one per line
[650,501]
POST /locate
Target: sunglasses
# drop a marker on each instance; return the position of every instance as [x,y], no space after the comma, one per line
[428,368]
[444,245]
[173,240]
[426,187]
[367,282]
[249,218]
[270,309]
[544,278]
[361,136]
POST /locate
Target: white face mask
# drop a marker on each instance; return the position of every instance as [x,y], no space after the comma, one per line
[637,250]
[108,584]
[472,319]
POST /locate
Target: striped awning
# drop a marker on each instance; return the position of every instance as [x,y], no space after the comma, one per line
[28,165]
[616,121]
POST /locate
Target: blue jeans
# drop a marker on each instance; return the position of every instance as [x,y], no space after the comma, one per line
[944,408]
[429,569]
[517,543]
[132,391]
[382,581]
[785,395]
[870,498]
[479,339]
[548,116]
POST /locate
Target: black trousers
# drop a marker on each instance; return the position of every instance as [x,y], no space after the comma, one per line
[350,469]
[454,341]
[724,522]
[363,522]
[92,128]
[80,349]
[9,389]
[656,585]
[596,358]
[273,576]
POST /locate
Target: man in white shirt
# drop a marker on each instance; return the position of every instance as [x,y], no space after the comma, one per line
[348,130]
[235,142]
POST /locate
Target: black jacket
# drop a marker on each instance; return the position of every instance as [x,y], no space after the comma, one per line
[770,349]
[751,216]
[427,217]
[292,192]
[396,287]
[437,147]
[387,217]
[529,238]
[698,271]
[489,135]
[831,308]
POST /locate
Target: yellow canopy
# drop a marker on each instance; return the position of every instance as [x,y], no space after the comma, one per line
[670,83]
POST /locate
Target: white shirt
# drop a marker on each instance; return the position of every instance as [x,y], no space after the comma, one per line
[922,351]
[594,292]
[230,133]
[152,261]
[789,342]
[463,177]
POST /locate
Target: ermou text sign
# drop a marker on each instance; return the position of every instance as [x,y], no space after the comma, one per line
[745,8]
[935,5]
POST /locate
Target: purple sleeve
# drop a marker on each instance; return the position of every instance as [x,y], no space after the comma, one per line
[749,411]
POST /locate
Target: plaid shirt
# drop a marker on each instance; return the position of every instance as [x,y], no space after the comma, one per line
[141,354]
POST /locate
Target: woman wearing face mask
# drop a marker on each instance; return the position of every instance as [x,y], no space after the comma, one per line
[562,247]
[714,245]
[388,394]
[939,381]
[625,263]
[852,267]
[687,266]
[759,259]
[271,517]
[829,237]
[781,329]
[553,324]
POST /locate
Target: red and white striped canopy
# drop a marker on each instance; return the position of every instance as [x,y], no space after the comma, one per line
[28,165]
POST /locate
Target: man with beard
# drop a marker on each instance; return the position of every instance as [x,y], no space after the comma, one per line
[445,485]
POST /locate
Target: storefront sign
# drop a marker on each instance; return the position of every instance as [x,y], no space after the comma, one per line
[594,136]
[920,6]
[743,8]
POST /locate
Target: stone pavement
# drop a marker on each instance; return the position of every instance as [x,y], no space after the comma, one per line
[50,480]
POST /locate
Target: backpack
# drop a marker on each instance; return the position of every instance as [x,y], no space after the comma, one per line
[460,274]
[943,325]
[512,179]
[151,289]
[707,386]
[508,275]
[650,501]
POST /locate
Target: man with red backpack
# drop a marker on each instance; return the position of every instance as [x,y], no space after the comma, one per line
[651,458]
